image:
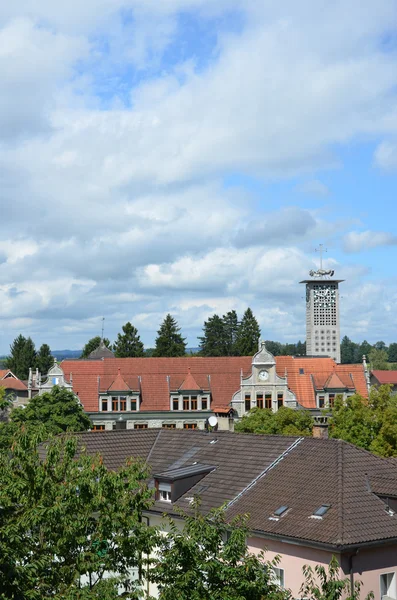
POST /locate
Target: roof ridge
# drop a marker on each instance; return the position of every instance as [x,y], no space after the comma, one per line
[154,444]
[279,458]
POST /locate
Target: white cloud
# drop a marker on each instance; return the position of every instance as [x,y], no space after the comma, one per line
[313,187]
[365,240]
[386,156]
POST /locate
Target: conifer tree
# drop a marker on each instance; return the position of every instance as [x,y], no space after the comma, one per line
[248,335]
[93,344]
[128,343]
[230,325]
[169,341]
[22,356]
[212,343]
[44,360]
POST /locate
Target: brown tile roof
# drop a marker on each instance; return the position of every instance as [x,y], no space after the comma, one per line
[189,383]
[10,382]
[385,377]
[119,384]
[256,474]
[221,375]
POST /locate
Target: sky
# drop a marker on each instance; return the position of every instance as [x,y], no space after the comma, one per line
[188,157]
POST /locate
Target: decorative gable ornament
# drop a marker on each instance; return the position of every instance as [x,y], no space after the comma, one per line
[55,376]
[263,356]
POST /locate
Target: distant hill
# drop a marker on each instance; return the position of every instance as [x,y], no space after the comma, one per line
[61,354]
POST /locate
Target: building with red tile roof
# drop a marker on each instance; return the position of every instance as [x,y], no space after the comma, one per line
[120,393]
[379,377]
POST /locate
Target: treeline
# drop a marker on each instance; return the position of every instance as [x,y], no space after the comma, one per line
[23,356]
[379,355]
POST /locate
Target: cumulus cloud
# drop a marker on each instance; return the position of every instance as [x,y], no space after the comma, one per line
[119,130]
[365,240]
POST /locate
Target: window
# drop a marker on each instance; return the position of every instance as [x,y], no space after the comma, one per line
[98,428]
[133,404]
[190,426]
[302,371]
[278,576]
[140,426]
[115,403]
[331,399]
[280,400]
[185,402]
[104,405]
[194,403]
[259,400]
[388,585]
[204,404]
[321,511]
[280,511]
[321,401]
[168,426]
[175,404]
[123,403]
[165,496]
[247,401]
[268,401]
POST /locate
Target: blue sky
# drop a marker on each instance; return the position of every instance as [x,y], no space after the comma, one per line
[187,156]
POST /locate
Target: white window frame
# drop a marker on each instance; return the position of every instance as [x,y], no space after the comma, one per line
[278,576]
[164,490]
[390,587]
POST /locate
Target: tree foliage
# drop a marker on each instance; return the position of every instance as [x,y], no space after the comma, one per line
[248,335]
[286,421]
[368,423]
[212,343]
[128,343]
[58,410]
[209,560]
[68,525]
[93,344]
[44,360]
[325,584]
[378,359]
[169,341]
[22,356]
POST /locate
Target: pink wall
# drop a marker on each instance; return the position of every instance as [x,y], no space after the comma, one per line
[368,565]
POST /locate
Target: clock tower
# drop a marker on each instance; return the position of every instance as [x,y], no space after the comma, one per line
[322,314]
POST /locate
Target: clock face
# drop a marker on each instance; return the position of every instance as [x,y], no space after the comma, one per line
[324,296]
[263,375]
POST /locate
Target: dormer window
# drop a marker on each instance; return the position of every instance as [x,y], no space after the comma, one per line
[164,491]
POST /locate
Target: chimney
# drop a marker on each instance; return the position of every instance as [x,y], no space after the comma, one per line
[320,428]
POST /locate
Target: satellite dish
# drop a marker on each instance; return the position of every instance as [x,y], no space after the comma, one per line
[213,421]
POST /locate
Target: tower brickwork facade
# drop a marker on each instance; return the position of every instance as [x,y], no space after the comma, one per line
[322,315]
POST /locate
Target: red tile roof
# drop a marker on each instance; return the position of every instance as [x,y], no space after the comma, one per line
[221,375]
[10,382]
[385,377]
[189,383]
[306,374]
[119,384]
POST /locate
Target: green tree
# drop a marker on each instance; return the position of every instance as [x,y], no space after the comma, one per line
[169,341]
[93,344]
[44,360]
[286,421]
[230,326]
[58,410]
[347,350]
[368,423]
[392,352]
[128,343]
[22,357]
[378,359]
[274,348]
[363,349]
[326,584]
[212,343]
[209,560]
[248,335]
[66,523]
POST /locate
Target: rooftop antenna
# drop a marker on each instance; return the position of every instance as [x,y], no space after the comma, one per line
[103,326]
[321,250]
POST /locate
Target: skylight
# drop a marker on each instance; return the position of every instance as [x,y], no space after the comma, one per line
[320,511]
[280,511]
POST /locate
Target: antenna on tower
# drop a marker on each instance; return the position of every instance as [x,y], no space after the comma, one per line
[103,327]
[321,250]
